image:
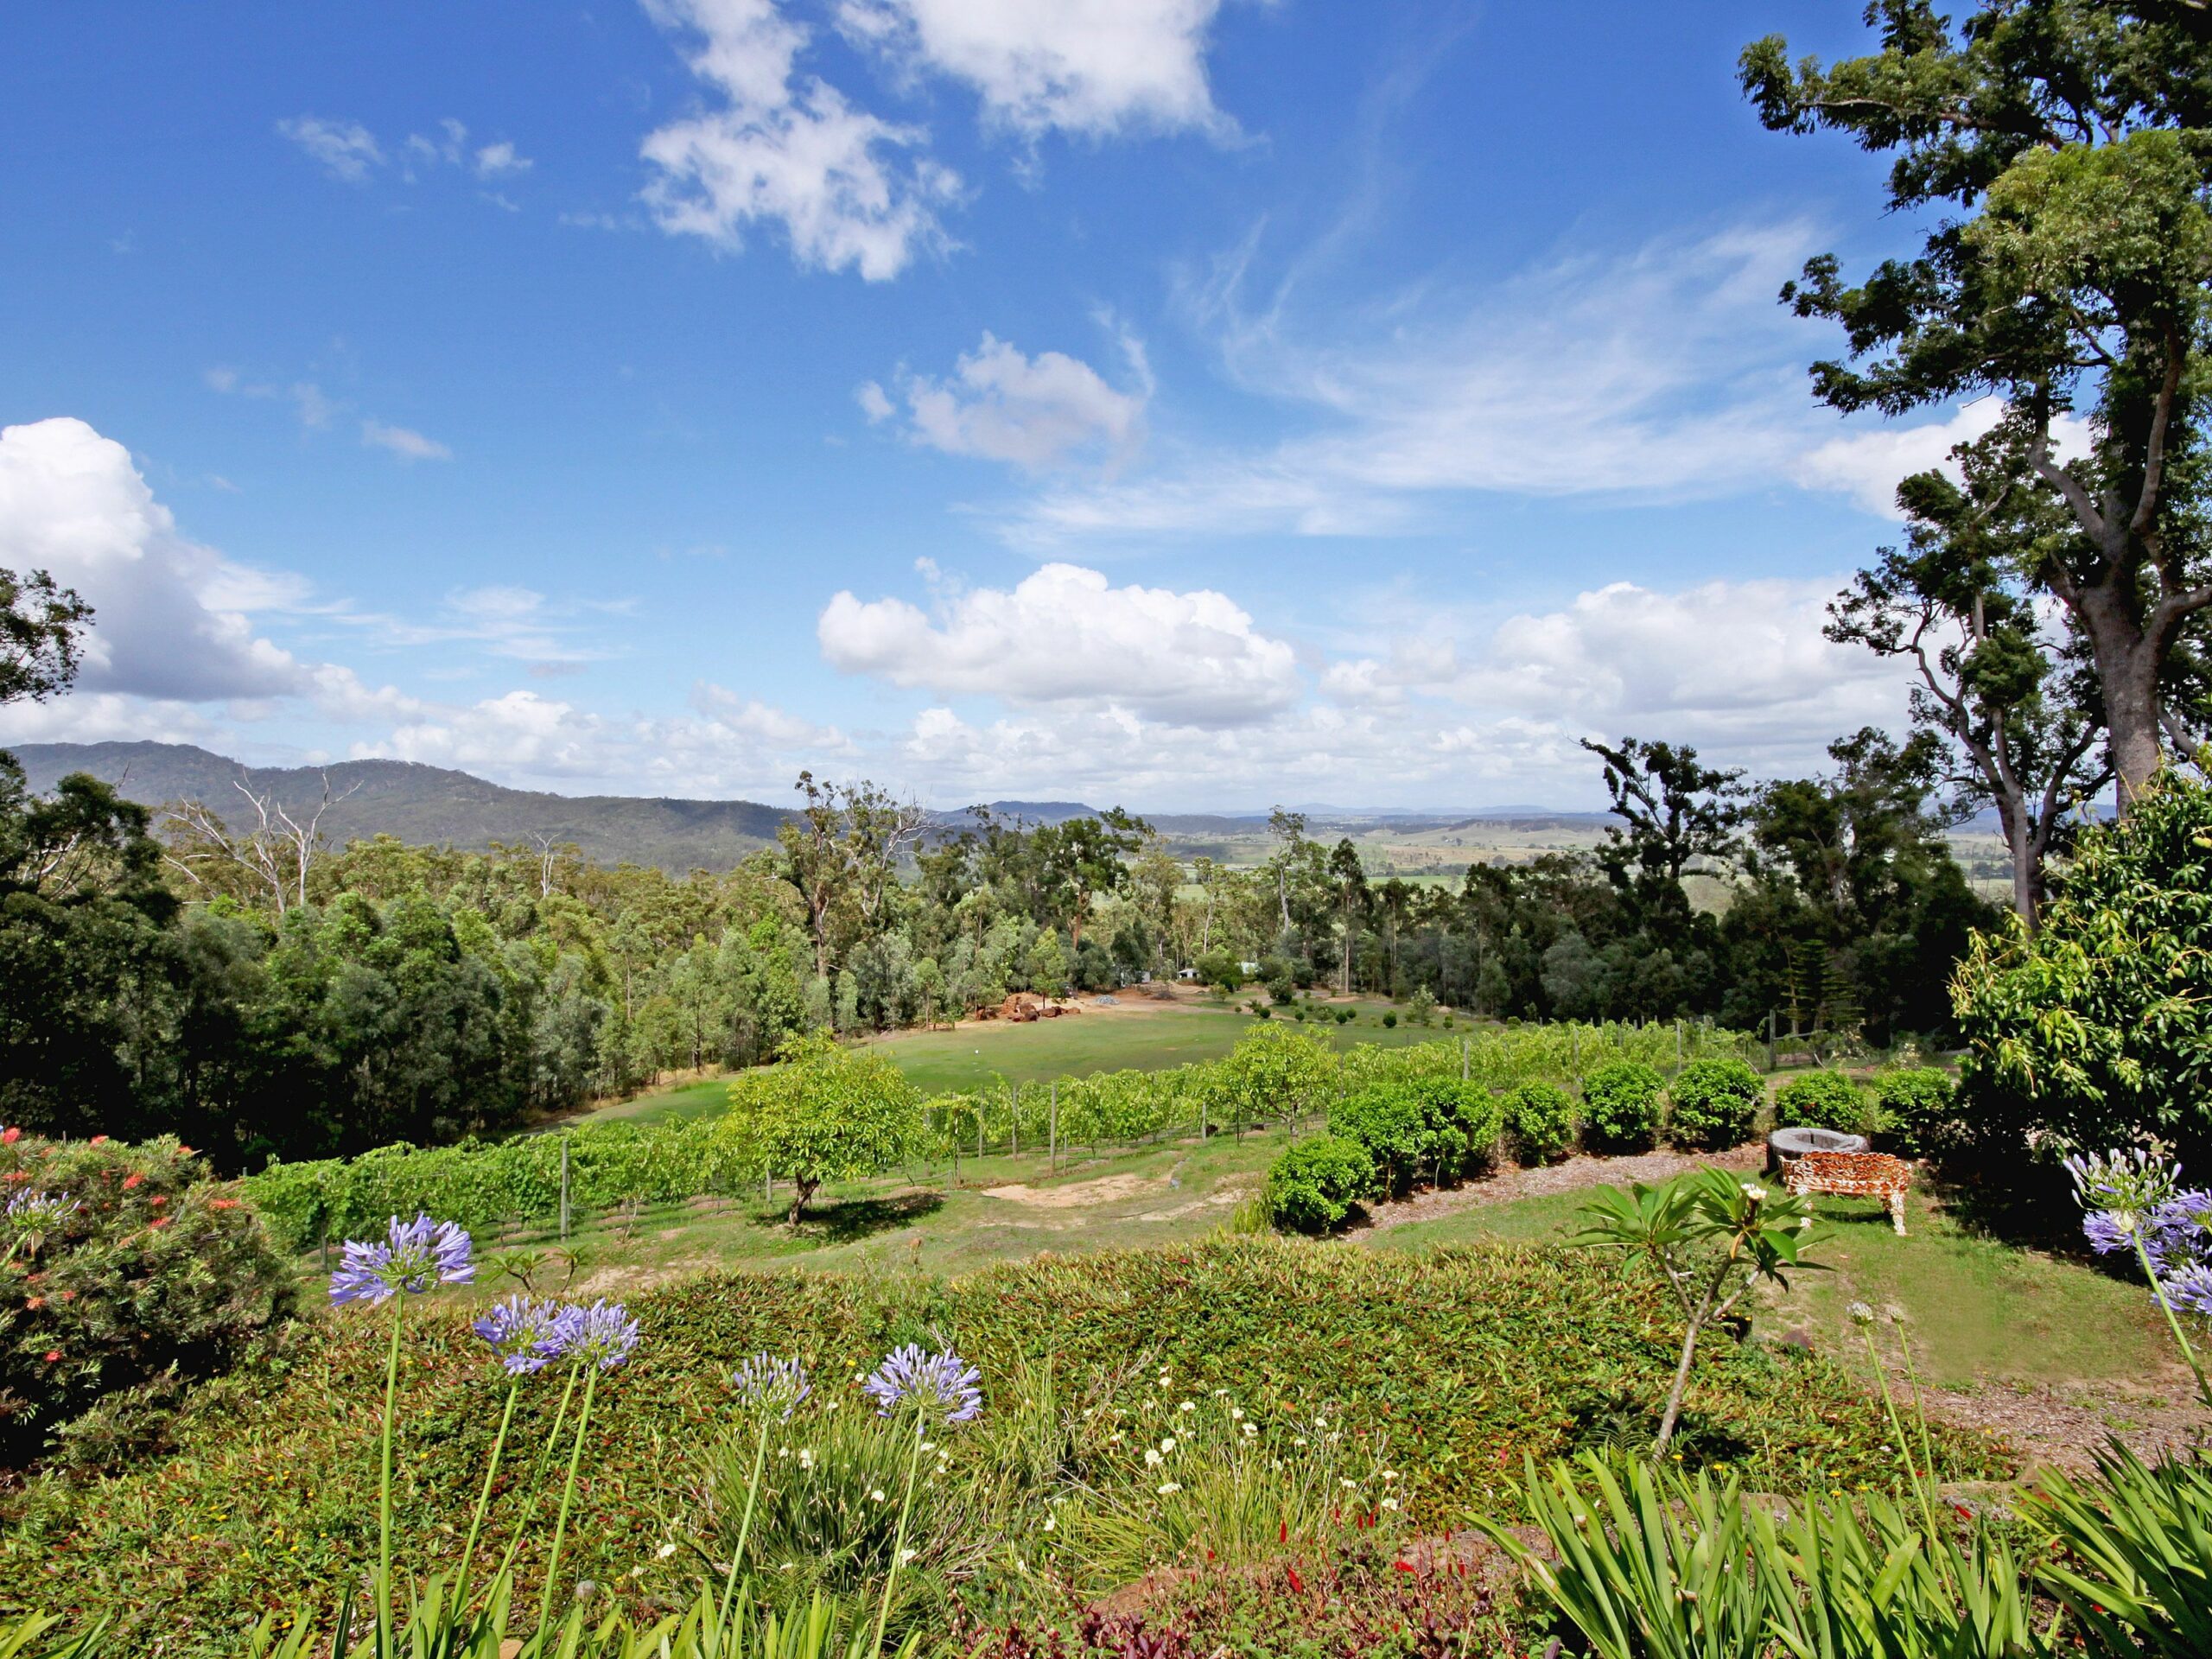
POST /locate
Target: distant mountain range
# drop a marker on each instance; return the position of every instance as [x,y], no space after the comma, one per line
[427,805]
[434,805]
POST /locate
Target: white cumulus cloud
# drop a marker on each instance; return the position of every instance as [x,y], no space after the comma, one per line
[1088,67]
[783,148]
[167,619]
[1001,406]
[1065,634]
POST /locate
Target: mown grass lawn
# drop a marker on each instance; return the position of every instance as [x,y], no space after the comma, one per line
[1978,1309]
[1147,1037]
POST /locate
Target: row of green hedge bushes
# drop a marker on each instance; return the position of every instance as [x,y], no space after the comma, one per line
[1277,1074]
[1383,1137]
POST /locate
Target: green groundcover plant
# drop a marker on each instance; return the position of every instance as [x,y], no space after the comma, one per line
[273,1497]
[928,1487]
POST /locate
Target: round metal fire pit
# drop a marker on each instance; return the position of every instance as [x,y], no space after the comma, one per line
[1786,1144]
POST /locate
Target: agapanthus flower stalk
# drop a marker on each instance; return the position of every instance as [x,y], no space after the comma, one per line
[937,1388]
[523,1332]
[413,1257]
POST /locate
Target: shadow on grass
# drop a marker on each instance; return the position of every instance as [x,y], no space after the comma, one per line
[854,1220]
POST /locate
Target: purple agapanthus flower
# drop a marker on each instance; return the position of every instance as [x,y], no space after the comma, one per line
[2189,1288]
[768,1385]
[523,1333]
[417,1256]
[602,1334]
[2179,1230]
[34,1212]
[2129,1183]
[941,1386]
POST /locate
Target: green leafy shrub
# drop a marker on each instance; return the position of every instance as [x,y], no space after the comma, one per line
[1822,1100]
[1916,1109]
[2099,1027]
[1715,1104]
[1387,1122]
[1313,1186]
[149,1276]
[1621,1105]
[1467,1119]
[1541,1118]
[1437,1124]
[1390,1019]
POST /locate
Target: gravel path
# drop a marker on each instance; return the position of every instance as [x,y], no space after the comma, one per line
[1571,1175]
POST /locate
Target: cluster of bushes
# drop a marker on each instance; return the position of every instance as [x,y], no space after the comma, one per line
[127,1273]
[1388,1133]
[1276,1075]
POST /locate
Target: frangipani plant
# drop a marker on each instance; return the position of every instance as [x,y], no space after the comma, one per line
[1711,1237]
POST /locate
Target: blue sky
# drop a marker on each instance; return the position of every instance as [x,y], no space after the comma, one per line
[1186,403]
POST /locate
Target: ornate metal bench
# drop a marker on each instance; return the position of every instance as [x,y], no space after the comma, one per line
[1852,1175]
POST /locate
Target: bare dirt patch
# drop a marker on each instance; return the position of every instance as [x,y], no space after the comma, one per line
[1106,1189]
[2051,1428]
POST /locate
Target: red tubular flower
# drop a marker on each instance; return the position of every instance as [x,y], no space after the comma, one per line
[132,1179]
[54,1356]
[159,1199]
[1296,1583]
[222,1204]
[99,1139]
[9,1137]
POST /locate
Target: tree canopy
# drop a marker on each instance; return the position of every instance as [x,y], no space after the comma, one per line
[2067,273]
[824,1113]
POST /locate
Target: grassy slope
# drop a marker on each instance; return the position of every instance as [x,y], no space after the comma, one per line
[1979,1309]
[973,1054]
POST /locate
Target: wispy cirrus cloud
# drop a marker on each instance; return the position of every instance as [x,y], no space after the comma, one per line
[1666,374]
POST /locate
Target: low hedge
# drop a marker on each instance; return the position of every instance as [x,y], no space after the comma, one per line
[1715,1104]
[1917,1110]
[1622,1104]
[1541,1119]
[1316,1182]
[1822,1100]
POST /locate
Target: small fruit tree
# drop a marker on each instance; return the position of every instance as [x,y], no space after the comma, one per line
[1274,1074]
[824,1113]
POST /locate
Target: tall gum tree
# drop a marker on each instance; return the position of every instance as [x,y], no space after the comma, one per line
[2010,703]
[2061,149]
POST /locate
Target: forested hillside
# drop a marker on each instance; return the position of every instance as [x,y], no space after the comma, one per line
[427,805]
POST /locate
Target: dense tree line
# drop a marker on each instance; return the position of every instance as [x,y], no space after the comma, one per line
[158,978]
